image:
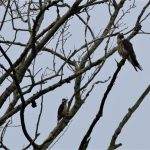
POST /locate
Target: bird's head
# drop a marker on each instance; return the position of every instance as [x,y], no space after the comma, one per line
[64,100]
[120,36]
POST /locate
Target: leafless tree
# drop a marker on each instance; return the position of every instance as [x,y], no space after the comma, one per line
[44,26]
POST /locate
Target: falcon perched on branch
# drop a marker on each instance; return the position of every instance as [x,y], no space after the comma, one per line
[125,49]
[62,110]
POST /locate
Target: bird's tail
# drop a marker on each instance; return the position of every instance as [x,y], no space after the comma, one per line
[136,65]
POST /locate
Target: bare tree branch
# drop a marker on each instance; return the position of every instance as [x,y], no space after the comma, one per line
[86,139]
[125,119]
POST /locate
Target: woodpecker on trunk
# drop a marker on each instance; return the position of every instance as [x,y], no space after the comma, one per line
[62,110]
[125,49]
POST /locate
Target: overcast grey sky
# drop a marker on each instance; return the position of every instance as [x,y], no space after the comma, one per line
[127,89]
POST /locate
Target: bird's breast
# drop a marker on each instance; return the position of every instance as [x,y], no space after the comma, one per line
[121,50]
[64,110]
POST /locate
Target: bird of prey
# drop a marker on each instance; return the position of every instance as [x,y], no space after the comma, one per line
[125,49]
[62,110]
